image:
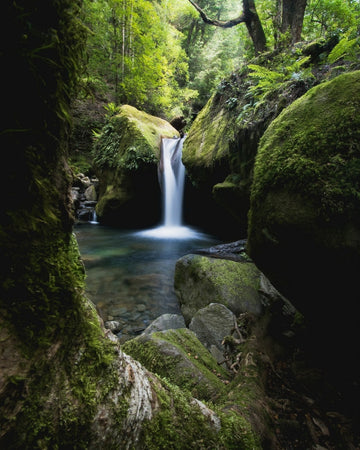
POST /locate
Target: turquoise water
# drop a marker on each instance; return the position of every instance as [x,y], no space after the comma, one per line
[130,274]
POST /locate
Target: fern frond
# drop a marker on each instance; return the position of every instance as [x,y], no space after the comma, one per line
[343,48]
[262,73]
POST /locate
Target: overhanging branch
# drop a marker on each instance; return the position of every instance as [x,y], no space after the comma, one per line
[219,23]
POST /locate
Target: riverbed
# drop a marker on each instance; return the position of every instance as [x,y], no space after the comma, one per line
[130,274]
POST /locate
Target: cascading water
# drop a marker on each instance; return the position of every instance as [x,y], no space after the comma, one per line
[171,172]
[173,176]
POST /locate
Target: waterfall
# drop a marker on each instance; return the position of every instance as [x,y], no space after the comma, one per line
[171,174]
[172,181]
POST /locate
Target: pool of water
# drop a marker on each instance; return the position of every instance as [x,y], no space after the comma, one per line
[130,274]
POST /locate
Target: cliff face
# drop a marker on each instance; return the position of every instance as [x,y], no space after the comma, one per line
[126,155]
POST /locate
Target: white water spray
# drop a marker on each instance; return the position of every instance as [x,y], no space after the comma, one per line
[171,177]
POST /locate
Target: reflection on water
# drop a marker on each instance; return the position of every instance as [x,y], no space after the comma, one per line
[130,274]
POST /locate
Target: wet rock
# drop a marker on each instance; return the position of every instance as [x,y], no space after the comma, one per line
[114,326]
[234,251]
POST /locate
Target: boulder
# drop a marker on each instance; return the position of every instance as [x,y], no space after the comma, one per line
[200,280]
[304,222]
[165,322]
[126,155]
[90,193]
[211,324]
[220,150]
[180,357]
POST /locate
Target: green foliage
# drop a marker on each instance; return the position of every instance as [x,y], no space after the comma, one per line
[134,47]
[135,158]
[269,80]
[111,110]
[326,17]
[346,48]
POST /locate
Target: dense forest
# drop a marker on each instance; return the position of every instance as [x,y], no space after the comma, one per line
[268,93]
[162,57]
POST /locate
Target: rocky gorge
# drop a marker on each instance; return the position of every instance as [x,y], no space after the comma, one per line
[229,306]
[267,376]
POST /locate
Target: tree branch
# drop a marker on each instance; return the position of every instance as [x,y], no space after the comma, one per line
[218,23]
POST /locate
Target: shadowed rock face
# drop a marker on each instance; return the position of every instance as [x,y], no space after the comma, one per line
[304,222]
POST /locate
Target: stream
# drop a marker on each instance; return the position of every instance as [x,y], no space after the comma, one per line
[130,274]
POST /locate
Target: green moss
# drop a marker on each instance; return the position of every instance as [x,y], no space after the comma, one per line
[178,424]
[313,149]
[182,359]
[130,139]
[209,136]
[227,277]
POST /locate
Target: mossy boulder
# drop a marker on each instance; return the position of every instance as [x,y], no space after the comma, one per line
[200,280]
[304,223]
[126,155]
[221,146]
[179,356]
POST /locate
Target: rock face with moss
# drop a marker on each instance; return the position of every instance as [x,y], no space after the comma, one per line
[304,229]
[200,280]
[222,143]
[125,157]
[220,149]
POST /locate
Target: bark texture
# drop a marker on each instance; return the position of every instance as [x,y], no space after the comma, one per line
[249,17]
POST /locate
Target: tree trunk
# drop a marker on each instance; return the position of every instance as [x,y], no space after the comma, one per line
[292,18]
[254,26]
[249,17]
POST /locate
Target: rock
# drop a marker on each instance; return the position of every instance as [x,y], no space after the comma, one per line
[179,356]
[211,324]
[126,157]
[201,280]
[165,322]
[234,251]
[304,222]
[113,325]
[90,193]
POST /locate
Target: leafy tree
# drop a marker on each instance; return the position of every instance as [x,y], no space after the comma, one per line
[248,16]
[133,47]
[331,16]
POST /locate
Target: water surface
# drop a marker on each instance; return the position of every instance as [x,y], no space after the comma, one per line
[130,274]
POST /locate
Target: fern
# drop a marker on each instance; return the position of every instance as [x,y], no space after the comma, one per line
[269,80]
[345,47]
[262,73]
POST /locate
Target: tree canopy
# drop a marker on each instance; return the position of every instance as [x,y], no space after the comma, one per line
[163,56]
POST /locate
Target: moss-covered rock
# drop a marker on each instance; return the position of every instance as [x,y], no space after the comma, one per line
[305,205]
[180,357]
[200,280]
[221,146]
[126,154]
